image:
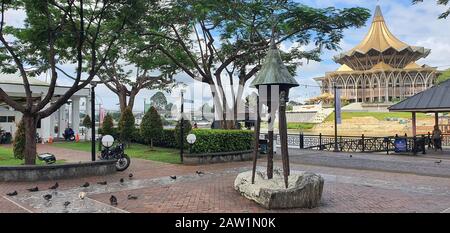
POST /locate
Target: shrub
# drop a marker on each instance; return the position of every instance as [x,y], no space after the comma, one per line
[108,125]
[187,127]
[126,126]
[218,140]
[166,139]
[151,126]
[19,141]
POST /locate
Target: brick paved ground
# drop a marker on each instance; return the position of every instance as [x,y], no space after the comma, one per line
[345,190]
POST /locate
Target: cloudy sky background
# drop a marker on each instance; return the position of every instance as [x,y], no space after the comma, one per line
[414,24]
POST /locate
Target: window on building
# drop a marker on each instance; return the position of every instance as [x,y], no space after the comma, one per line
[4,119]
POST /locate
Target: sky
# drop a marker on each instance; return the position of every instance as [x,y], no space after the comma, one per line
[415,25]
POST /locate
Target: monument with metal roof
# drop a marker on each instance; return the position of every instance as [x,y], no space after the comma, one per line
[380,69]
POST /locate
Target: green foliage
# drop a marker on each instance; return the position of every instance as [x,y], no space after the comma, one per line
[151,126]
[443,77]
[443,15]
[217,140]
[19,141]
[167,139]
[126,126]
[300,126]
[87,122]
[159,101]
[108,125]
[187,127]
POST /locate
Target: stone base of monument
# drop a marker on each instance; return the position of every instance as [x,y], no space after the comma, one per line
[304,189]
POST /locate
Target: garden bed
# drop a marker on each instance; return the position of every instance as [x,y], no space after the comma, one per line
[218,157]
[56,171]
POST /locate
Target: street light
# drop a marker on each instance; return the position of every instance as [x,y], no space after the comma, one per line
[93,85]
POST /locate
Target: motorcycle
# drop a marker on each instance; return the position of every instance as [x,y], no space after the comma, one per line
[118,153]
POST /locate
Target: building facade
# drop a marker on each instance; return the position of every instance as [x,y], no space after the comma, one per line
[68,115]
[381,69]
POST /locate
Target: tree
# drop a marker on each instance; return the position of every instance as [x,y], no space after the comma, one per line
[159,101]
[445,14]
[108,125]
[151,126]
[56,33]
[87,124]
[126,126]
[223,42]
[133,68]
[443,77]
[19,141]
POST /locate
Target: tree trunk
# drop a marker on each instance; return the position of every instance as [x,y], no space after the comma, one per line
[151,143]
[30,152]
[122,100]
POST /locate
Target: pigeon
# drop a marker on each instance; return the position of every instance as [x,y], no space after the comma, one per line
[199,172]
[81,195]
[35,189]
[47,197]
[54,186]
[67,203]
[130,175]
[131,197]
[121,180]
[12,194]
[438,162]
[85,185]
[173,177]
[351,156]
[113,200]
[102,183]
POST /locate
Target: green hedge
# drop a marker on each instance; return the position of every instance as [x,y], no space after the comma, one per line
[167,139]
[217,140]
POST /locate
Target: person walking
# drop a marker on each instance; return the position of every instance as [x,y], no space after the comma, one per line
[437,138]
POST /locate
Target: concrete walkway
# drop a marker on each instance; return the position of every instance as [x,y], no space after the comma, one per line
[372,161]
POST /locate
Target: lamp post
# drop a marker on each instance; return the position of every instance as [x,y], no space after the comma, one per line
[93,85]
[336,99]
[182,126]
[276,79]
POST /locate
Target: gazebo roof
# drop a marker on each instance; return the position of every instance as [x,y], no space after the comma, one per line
[273,71]
[435,99]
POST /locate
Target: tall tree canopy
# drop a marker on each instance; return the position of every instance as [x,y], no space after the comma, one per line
[54,33]
[445,14]
[223,42]
[133,68]
[159,101]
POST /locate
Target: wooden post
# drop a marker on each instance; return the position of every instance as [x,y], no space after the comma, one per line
[436,118]
[283,136]
[270,141]
[414,124]
[256,146]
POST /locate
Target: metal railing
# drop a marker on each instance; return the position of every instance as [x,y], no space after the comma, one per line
[358,143]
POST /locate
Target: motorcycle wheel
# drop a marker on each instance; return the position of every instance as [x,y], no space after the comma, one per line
[123,163]
[72,138]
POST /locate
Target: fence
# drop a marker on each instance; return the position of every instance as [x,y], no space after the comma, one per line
[360,143]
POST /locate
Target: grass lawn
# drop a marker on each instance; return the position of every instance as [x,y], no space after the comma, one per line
[300,126]
[7,158]
[166,155]
[378,115]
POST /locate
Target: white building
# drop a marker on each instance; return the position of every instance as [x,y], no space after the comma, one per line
[67,115]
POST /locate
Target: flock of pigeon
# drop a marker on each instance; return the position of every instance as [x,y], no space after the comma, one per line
[113,199]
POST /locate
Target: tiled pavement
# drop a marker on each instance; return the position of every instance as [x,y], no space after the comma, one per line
[345,190]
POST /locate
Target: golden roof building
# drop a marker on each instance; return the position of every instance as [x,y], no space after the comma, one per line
[381,69]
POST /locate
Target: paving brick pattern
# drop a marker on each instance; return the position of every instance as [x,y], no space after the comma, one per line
[345,190]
